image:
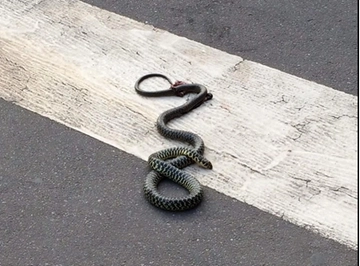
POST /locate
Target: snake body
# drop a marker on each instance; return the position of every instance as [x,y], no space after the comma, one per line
[169,162]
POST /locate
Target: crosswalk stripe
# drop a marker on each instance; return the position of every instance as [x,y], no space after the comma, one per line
[283,144]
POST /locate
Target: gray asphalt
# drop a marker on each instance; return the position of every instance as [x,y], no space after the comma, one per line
[68,199]
[313,39]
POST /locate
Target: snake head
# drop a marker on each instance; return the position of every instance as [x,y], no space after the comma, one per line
[206,164]
[209,96]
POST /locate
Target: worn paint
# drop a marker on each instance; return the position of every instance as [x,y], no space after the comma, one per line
[283,144]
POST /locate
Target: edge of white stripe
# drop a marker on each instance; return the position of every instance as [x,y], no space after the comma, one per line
[283,144]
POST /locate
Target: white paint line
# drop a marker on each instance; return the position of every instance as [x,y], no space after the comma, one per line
[283,144]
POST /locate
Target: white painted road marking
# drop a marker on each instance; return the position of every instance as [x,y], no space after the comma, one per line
[283,144]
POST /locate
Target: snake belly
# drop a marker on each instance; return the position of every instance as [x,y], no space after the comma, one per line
[171,168]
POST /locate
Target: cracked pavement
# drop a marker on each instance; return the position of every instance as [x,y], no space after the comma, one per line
[73,200]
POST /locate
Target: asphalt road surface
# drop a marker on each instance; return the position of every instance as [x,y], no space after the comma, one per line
[86,215]
[315,40]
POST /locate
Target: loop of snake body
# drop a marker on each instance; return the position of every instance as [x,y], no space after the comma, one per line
[169,162]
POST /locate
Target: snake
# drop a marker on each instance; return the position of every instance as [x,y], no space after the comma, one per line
[168,163]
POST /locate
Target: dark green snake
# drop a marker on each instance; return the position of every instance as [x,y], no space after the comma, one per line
[180,157]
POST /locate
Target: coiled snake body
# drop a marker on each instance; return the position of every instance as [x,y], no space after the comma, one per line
[180,157]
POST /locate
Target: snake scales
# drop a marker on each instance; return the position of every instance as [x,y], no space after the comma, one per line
[168,162]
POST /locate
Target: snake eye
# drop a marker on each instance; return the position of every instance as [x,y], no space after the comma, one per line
[209,96]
